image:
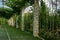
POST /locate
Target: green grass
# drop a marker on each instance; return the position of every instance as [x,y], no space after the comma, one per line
[3,35]
[17,34]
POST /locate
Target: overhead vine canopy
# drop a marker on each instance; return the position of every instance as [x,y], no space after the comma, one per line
[5,11]
[7,6]
[17,5]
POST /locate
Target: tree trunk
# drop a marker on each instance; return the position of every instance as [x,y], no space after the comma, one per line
[22,23]
[36,18]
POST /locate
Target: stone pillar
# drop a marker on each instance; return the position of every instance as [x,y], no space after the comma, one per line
[22,23]
[36,19]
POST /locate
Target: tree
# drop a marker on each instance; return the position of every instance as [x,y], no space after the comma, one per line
[4,10]
[43,17]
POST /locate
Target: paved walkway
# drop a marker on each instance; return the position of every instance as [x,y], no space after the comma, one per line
[11,33]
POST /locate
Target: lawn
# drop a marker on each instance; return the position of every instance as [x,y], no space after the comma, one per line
[17,34]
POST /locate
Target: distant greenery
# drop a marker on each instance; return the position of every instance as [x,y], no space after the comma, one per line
[3,21]
[28,24]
